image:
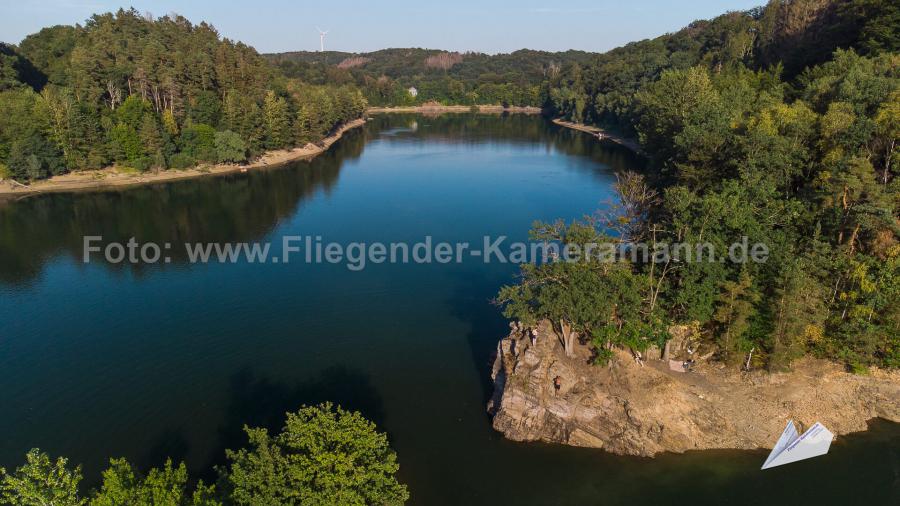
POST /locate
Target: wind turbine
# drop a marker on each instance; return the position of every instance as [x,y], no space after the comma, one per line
[322,38]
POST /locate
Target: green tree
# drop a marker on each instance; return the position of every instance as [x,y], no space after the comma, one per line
[126,143]
[606,302]
[170,124]
[49,50]
[133,110]
[205,108]
[26,144]
[17,71]
[41,482]
[230,148]
[153,141]
[684,124]
[199,142]
[324,455]
[799,310]
[242,115]
[166,486]
[34,157]
[277,121]
[735,307]
[303,125]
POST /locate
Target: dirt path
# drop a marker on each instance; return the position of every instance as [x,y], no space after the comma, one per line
[112,177]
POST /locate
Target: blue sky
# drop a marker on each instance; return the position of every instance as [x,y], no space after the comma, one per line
[462,25]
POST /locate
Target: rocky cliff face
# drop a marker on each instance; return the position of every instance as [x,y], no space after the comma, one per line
[643,409]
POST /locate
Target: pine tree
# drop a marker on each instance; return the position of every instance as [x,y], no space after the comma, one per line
[277,122]
[735,307]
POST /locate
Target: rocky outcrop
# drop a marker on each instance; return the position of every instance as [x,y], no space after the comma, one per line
[643,408]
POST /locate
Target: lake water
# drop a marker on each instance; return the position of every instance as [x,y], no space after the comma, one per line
[159,360]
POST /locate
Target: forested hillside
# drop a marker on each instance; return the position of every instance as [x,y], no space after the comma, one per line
[447,77]
[150,94]
[780,125]
[784,38]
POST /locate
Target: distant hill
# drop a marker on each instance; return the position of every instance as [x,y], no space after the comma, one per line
[398,63]
[449,77]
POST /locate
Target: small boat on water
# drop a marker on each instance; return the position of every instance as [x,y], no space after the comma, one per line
[792,446]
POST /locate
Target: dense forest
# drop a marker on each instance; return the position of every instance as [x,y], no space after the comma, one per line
[780,125]
[438,76]
[146,93]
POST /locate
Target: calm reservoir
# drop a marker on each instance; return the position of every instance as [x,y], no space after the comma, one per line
[149,361]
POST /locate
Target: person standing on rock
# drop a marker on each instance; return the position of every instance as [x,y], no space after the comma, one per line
[557,384]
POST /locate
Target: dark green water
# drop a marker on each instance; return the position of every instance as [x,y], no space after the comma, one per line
[151,361]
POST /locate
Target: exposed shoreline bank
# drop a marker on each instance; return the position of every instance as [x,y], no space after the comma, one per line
[645,409]
[111,177]
[631,144]
[437,109]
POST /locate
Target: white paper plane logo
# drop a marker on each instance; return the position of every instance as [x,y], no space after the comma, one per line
[792,447]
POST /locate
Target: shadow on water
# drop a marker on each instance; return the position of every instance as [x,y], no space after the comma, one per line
[257,401]
[226,208]
[254,400]
[471,303]
[170,444]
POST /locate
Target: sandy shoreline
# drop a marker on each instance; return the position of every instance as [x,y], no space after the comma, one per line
[437,109]
[112,178]
[631,144]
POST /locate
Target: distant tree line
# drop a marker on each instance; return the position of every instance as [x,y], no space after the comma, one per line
[151,94]
[323,455]
[752,130]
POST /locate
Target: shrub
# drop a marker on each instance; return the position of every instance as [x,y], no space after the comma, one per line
[182,161]
[230,148]
[142,164]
